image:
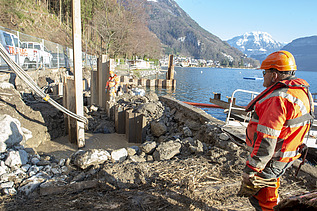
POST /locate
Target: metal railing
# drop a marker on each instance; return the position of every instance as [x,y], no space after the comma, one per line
[253,94]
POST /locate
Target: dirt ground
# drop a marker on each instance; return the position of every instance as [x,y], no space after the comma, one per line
[195,182]
[61,148]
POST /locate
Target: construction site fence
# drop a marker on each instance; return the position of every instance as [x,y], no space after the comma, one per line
[53,56]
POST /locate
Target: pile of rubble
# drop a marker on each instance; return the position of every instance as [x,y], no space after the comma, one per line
[24,171]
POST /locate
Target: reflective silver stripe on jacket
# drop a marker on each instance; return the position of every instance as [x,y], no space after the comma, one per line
[300,124]
[287,154]
[283,93]
[268,131]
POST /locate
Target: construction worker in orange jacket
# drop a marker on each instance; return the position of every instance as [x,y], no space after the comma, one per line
[282,116]
[112,85]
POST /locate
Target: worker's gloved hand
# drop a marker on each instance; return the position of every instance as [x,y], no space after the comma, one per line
[247,189]
[260,182]
[250,185]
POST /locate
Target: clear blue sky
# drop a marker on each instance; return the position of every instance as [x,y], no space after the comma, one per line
[285,20]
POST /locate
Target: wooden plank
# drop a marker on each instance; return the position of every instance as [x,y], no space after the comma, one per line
[110,109]
[129,130]
[103,76]
[78,73]
[226,105]
[94,88]
[236,131]
[140,123]
[120,119]
[71,105]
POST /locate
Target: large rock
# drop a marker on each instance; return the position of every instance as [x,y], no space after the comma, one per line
[152,97]
[167,150]
[16,158]
[148,107]
[223,137]
[197,147]
[10,132]
[187,132]
[84,159]
[3,168]
[148,147]
[119,155]
[133,150]
[137,158]
[30,184]
[193,125]
[158,128]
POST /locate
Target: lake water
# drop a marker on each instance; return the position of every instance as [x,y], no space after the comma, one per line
[199,84]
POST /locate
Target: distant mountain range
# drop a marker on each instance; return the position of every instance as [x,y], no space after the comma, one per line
[305,52]
[255,44]
[181,35]
[258,45]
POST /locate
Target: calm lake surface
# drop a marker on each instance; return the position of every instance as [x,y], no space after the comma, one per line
[199,84]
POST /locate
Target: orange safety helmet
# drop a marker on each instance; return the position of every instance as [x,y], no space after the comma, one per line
[280,60]
[111,72]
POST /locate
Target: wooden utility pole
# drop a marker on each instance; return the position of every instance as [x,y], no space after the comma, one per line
[170,69]
[78,73]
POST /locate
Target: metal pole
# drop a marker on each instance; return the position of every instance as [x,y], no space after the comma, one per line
[77,58]
[57,56]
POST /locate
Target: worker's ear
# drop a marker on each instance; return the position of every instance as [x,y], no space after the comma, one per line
[275,76]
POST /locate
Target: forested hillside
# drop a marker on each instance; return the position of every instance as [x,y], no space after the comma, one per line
[181,35]
[117,28]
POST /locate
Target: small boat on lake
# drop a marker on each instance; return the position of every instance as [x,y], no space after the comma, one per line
[252,78]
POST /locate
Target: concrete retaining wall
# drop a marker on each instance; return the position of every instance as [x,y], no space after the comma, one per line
[189,111]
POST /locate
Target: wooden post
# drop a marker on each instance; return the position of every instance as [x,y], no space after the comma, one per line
[170,69]
[78,73]
[135,127]
[217,96]
[94,88]
[71,105]
[167,84]
[60,89]
[103,76]
[119,119]
[233,100]
[124,79]
[133,82]
[142,82]
[150,83]
[159,83]
[129,132]
[174,83]
[140,123]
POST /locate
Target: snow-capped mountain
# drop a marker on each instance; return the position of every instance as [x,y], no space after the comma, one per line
[255,44]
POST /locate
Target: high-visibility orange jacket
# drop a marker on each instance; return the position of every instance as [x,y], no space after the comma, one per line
[112,82]
[281,119]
